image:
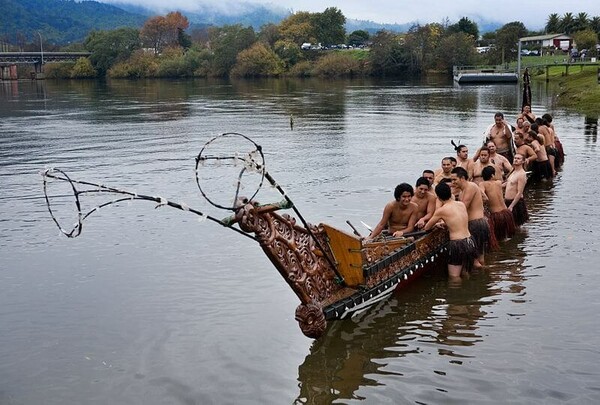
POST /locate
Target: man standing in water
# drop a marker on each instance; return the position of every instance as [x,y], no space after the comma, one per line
[470,195]
[399,216]
[500,133]
[461,248]
[513,194]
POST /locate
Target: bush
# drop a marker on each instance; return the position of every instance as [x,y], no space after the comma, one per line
[140,64]
[83,69]
[257,61]
[301,69]
[339,64]
[58,70]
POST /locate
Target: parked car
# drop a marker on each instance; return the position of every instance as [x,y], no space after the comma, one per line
[534,53]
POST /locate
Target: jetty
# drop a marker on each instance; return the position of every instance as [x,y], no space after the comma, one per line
[485,74]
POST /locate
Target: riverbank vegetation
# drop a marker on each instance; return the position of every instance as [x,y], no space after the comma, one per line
[303,44]
[579,90]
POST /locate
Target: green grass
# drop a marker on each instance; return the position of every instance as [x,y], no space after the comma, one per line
[579,91]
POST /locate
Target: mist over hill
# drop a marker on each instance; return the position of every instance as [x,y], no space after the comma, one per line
[65,21]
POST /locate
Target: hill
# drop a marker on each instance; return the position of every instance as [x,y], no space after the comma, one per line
[60,21]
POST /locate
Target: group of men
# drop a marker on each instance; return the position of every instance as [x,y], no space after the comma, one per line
[479,199]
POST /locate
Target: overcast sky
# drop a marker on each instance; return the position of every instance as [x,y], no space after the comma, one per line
[533,13]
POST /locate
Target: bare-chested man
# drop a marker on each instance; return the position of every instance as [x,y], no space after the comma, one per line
[445,171]
[483,161]
[500,218]
[462,159]
[526,114]
[501,133]
[541,169]
[430,176]
[461,248]
[424,200]
[547,132]
[501,163]
[470,195]
[513,194]
[524,150]
[399,216]
[560,153]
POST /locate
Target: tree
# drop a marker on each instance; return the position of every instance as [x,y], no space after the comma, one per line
[159,32]
[507,38]
[581,22]
[567,23]
[269,34]
[329,26]
[226,43]
[387,56]
[595,25]
[298,28]
[83,69]
[110,47]
[183,39]
[358,37]
[421,42]
[257,61]
[465,25]
[553,24]
[586,39]
[289,52]
[456,49]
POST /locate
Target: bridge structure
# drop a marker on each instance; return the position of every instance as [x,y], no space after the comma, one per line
[10,60]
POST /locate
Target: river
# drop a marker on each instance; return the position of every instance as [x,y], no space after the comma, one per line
[152,306]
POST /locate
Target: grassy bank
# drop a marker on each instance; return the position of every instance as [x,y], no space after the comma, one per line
[579,91]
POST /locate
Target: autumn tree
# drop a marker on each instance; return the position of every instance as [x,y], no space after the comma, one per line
[298,28]
[421,43]
[159,32]
[257,61]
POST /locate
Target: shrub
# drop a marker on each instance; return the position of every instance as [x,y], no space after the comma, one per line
[257,61]
[339,64]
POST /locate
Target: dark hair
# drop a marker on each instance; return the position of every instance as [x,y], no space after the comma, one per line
[446,180]
[402,188]
[535,127]
[488,172]
[499,114]
[459,148]
[453,159]
[443,191]
[547,117]
[422,181]
[484,148]
[428,171]
[460,172]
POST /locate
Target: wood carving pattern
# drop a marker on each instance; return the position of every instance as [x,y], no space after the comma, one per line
[311,320]
[293,252]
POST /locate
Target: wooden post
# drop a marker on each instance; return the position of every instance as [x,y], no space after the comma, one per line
[547,73]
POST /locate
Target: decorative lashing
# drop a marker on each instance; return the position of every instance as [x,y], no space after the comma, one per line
[385,263]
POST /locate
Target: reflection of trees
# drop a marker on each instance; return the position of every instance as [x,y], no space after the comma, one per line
[428,311]
[129,100]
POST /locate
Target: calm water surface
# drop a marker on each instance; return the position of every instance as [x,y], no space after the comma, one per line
[152,306]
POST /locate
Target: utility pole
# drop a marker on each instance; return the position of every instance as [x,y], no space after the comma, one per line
[41,47]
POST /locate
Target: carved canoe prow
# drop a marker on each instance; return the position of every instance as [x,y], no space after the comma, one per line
[333,273]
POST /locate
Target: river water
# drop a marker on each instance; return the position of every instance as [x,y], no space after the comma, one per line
[151,306]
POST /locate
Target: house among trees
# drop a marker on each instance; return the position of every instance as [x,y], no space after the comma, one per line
[548,42]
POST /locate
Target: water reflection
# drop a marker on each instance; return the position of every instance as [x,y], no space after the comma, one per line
[430,314]
[590,129]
